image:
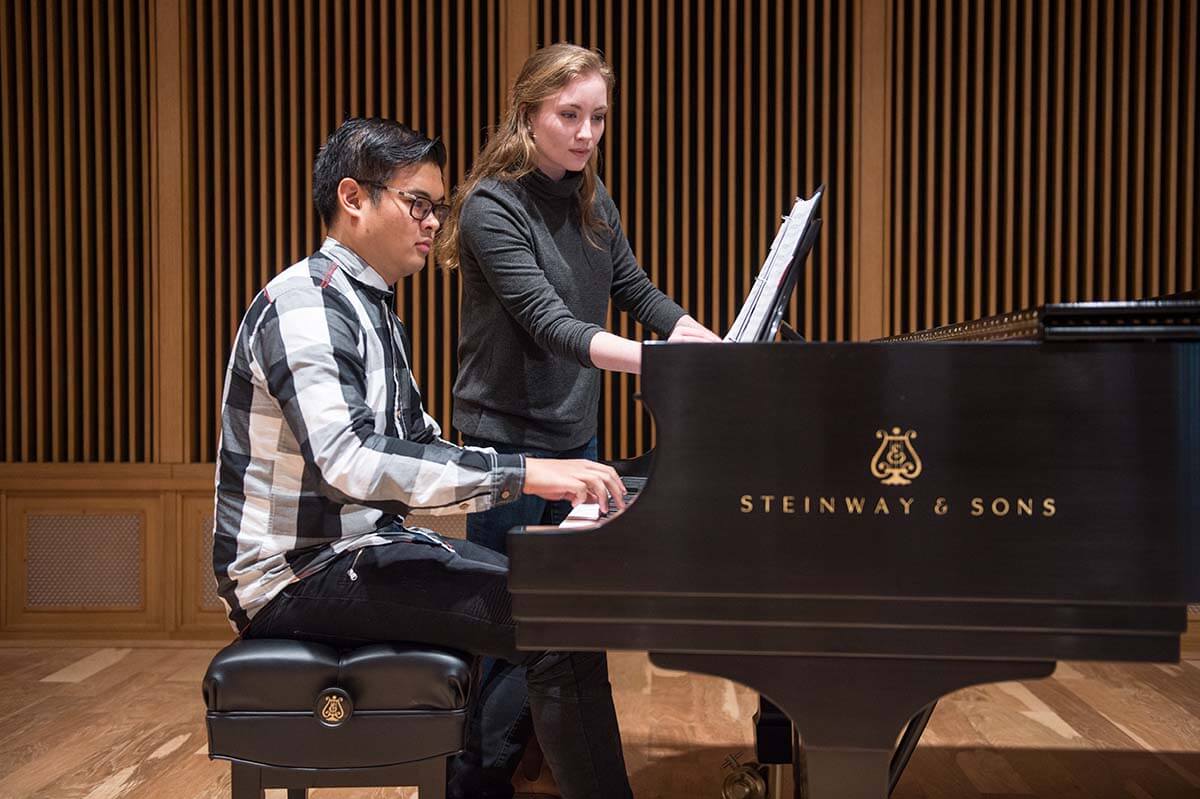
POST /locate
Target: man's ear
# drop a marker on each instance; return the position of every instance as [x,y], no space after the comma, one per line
[351,197]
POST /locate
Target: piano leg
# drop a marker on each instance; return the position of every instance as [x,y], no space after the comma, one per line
[850,710]
[846,773]
[908,745]
[772,734]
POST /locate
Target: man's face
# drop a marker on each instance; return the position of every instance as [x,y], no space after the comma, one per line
[567,128]
[401,244]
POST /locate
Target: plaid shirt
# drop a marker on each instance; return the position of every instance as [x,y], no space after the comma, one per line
[325,446]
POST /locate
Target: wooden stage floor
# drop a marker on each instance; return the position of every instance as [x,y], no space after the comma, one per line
[102,723]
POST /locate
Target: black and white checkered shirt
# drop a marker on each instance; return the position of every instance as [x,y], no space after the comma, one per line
[325,446]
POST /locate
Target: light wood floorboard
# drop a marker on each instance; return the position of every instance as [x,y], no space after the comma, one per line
[108,723]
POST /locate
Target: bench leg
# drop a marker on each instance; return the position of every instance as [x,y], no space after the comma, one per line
[432,779]
[246,782]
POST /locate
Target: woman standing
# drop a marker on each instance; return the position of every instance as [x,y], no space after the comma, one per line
[539,242]
[540,247]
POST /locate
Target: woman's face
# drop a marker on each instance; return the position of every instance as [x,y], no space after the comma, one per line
[568,126]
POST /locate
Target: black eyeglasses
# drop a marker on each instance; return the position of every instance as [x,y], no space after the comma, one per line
[420,207]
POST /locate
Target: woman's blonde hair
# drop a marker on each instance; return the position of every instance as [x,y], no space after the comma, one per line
[510,151]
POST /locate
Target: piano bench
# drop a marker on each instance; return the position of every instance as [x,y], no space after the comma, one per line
[299,715]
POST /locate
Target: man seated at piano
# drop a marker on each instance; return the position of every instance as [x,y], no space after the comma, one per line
[325,449]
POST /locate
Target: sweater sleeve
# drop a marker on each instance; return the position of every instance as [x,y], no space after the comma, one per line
[632,290]
[499,240]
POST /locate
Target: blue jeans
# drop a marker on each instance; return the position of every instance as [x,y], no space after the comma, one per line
[490,528]
[502,722]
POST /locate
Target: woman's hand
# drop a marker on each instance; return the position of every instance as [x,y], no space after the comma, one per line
[688,330]
[618,354]
[576,480]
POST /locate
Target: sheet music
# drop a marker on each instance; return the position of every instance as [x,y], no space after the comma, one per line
[761,299]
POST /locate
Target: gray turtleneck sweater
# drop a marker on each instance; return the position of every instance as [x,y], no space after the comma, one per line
[535,292]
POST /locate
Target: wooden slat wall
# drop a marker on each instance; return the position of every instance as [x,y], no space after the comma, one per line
[1035,151]
[723,113]
[1040,152]
[74,172]
[270,81]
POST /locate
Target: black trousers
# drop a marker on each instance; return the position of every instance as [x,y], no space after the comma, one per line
[455,594]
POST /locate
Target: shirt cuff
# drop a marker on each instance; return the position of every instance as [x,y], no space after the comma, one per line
[584,353]
[666,319]
[508,478]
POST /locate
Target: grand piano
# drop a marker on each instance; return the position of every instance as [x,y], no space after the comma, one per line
[857,529]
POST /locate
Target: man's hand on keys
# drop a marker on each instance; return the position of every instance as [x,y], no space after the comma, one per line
[575,480]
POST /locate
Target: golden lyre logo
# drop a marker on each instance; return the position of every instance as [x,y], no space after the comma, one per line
[896,462]
[333,711]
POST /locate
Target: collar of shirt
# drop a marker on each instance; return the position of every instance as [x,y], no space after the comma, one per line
[547,187]
[356,268]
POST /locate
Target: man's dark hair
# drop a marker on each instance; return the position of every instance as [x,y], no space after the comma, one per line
[368,150]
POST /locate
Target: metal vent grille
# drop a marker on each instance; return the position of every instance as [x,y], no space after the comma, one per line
[84,561]
[208,583]
[448,526]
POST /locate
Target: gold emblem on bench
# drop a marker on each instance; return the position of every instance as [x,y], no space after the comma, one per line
[333,707]
[333,711]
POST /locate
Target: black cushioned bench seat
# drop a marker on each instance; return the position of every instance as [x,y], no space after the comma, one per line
[282,705]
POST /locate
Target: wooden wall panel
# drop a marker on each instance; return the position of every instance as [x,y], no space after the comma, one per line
[723,113]
[200,609]
[1024,151]
[1041,152]
[99,550]
[76,292]
[1019,152]
[270,80]
[116,585]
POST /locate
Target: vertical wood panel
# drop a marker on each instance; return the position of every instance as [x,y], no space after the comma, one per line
[75,255]
[1153,156]
[21,312]
[1013,174]
[271,81]
[110,355]
[131,329]
[708,93]
[91,206]
[1119,213]
[962,138]
[1065,196]
[209,266]
[9,232]
[1076,124]
[55,188]
[1035,268]
[37,275]
[146,233]
[1191,180]
[893,289]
